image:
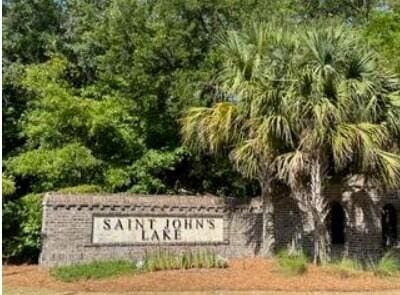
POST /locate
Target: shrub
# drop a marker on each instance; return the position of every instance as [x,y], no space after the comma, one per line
[93,270]
[22,221]
[292,262]
[388,265]
[81,189]
[345,267]
[164,260]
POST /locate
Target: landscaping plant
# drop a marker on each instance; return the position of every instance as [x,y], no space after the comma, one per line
[93,270]
[345,267]
[166,260]
[292,262]
[388,265]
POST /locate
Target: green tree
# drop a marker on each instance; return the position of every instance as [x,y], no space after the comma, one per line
[47,169]
[347,117]
[30,31]
[303,108]
[383,33]
[68,136]
[251,124]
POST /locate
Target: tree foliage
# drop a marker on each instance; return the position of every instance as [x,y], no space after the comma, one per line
[383,32]
[7,186]
[22,225]
[305,108]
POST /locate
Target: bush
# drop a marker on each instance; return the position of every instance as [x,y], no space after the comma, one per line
[93,270]
[388,265]
[292,262]
[22,221]
[164,260]
[81,189]
[345,268]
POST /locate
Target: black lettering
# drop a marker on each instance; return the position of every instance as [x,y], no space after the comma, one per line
[199,223]
[178,235]
[211,223]
[106,225]
[138,224]
[188,223]
[152,220]
[129,224]
[155,236]
[118,225]
[166,235]
[176,223]
[144,238]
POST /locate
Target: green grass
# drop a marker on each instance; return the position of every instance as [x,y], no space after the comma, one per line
[388,265]
[93,270]
[164,260]
[161,260]
[345,267]
[293,263]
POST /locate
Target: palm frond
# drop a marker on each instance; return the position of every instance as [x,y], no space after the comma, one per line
[210,128]
[361,140]
[251,158]
[291,166]
[386,169]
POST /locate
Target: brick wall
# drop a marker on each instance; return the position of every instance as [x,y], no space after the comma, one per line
[67,224]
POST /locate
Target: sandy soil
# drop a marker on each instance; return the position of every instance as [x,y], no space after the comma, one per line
[30,291]
[241,275]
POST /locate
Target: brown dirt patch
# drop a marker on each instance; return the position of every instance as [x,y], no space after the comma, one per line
[242,274]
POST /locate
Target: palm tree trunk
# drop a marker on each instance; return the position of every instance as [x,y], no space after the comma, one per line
[268,237]
[318,211]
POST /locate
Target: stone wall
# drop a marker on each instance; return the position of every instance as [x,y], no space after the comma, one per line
[68,224]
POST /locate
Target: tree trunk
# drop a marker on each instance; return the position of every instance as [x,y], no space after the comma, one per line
[268,237]
[320,239]
[318,210]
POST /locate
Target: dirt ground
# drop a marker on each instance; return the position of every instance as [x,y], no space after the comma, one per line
[30,291]
[241,275]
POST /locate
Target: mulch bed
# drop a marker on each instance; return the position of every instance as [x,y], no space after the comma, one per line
[242,274]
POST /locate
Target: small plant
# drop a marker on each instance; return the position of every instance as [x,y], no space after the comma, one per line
[164,260]
[346,267]
[93,270]
[292,262]
[388,265]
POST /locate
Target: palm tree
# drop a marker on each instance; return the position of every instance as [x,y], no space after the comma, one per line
[347,113]
[250,123]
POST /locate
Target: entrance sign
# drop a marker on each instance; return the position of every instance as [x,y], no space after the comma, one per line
[156,230]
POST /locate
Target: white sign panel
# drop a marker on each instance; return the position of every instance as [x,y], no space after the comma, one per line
[154,230]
